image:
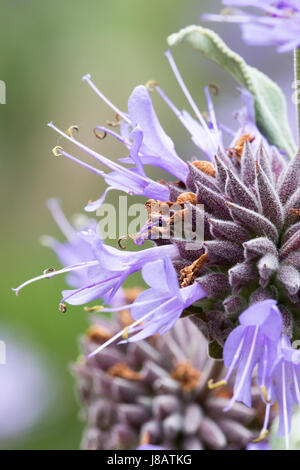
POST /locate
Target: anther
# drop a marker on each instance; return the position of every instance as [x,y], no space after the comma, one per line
[212,386]
[63,308]
[151,84]
[125,333]
[57,151]
[71,129]
[48,270]
[214,88]
[99,135]
[124,237]
[265,394]
[261,437]
[114,124]
[95,308]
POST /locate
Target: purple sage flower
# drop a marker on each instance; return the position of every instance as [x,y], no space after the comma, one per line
[148,144]
[95,269]
[164,303]
[279,24]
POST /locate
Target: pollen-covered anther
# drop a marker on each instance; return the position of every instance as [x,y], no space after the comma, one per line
[62,308]
[265,394]
[125,333]
[186,375]
[122,370]
[213,385]
[115,123]
[98,334]
[151,84]
[237,151]
[48,271]
[99,135]
[123,238]
[57,151]
[190,273]
[71,129]
[261,437]
[206,167]
[94,308]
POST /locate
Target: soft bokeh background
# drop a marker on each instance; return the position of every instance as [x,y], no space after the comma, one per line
[45,49]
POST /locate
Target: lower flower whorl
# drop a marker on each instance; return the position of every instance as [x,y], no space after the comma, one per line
[155,392]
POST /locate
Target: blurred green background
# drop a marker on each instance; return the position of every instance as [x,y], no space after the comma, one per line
[45,49]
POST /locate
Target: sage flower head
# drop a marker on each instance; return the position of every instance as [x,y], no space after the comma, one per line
[239,283]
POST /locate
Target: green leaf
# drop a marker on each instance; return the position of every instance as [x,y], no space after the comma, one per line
[269,101]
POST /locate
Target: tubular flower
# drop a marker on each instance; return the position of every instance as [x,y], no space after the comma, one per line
[259,341]
[279,24]
[154,393]
[148,144]
[94,269]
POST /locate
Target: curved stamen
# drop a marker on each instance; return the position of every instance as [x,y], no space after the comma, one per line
[124,237]
[151,84]
[213,385]
[87,78]
[130,327]
[261,437]
[71,129]
[48,275]
[105,131]
[99,136]
[57,151]
[80,162]
[185,90]
[265,394]
[105,161]
[115,123]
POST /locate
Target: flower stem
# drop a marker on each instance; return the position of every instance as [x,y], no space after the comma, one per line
[297,86]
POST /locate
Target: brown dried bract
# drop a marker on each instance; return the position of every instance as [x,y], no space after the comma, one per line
[190,273]
[295,212]
[187,376]
[178,217]
[205,167]
[122,370]
[187,197]
[237,151]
